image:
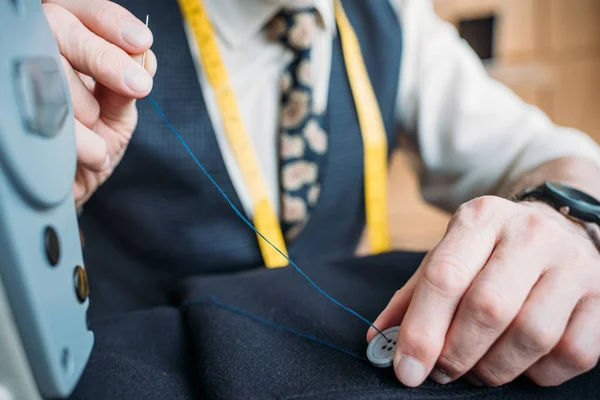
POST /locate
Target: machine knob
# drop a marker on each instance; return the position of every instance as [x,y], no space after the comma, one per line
[42,98]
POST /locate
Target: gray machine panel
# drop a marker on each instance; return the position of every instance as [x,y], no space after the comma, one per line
[37,168]
[28,52]
[16,378]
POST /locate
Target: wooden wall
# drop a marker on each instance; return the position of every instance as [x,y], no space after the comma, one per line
[548,52]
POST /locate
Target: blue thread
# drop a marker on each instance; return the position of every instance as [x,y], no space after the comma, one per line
[213,300]
[162,115]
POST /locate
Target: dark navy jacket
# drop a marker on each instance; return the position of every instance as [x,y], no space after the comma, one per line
[158,219]
[202,350]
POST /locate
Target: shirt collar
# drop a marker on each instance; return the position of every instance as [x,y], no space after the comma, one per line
[238,21]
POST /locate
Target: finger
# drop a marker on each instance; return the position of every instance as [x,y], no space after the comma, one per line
[80,188]
[534,333]
[446,275]
[395,310]
[111,22]
[116,107]
[85,106]
[95,57]
[118,112]
[91,149]
[578,350]
[493,300]
[151,63]
[89,82]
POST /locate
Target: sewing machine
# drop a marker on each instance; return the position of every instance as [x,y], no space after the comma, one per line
[44,339]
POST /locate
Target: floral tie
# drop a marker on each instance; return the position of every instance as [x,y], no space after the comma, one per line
[303,141]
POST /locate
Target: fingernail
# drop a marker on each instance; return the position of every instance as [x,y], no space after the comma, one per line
[137,78]
[439,376]
[106,162]
[138,58]
[135,33]
[410,371]
[474,381]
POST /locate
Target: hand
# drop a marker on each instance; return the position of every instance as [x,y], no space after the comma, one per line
[512,288]
[101,45]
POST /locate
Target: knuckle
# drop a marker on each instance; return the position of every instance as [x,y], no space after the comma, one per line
[421,343]
[105,12]
[488,308]
[478,208]
[533,337]
[102,61]
[463,217]
[73,26]
[576,355]
[61,23]
[66,27]
[534,226]
[52,11]
[536,222]
[102,11]
[447,275]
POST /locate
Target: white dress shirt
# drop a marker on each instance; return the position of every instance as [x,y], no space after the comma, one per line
[471,133]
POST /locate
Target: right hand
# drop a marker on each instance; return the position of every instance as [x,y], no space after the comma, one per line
[101,44]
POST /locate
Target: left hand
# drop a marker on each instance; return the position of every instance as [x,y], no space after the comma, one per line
[101,46]
[512,288]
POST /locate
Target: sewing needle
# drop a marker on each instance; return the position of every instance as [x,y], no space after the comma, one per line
[144,55]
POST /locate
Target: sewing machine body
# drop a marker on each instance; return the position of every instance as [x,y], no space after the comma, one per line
[44,339]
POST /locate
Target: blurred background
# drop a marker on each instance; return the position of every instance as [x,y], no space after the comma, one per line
[547,51]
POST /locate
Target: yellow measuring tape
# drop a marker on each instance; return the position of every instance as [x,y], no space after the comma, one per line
[373,134]
[371,124]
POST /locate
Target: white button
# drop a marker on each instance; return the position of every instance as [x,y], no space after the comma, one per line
[381,350]
[5,393]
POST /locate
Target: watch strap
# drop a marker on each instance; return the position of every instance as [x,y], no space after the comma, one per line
[530,193]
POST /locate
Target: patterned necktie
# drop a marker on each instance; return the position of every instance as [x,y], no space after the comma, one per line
[302,142]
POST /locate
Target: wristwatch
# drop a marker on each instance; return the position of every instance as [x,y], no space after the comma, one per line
[570,202]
